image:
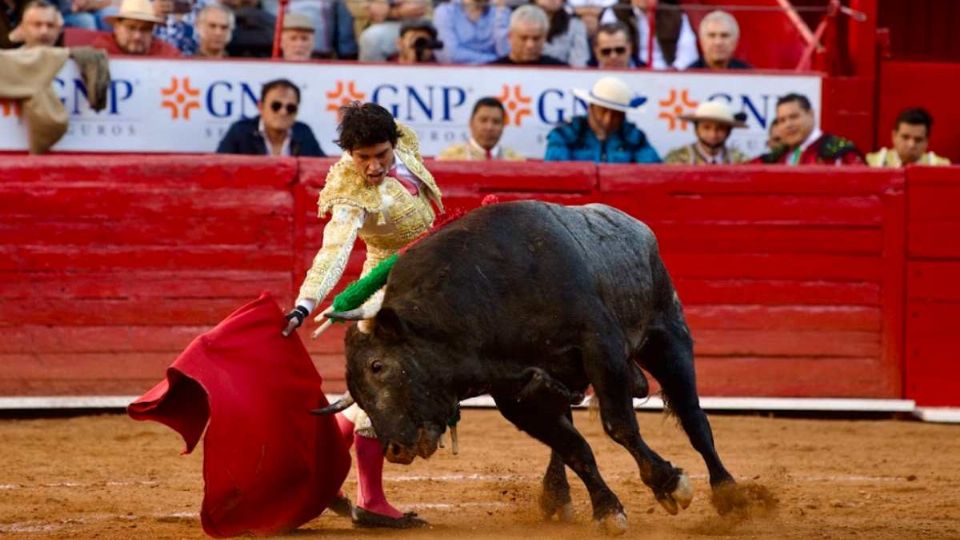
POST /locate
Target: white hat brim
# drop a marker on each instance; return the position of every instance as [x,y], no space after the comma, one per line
[145,17]
[600,102]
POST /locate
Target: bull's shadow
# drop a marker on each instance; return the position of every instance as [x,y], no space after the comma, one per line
[532,303]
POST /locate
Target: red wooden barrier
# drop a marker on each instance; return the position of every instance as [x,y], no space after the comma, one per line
[793,278]
[783,272]
[933,289]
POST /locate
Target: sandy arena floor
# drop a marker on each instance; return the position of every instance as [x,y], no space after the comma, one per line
[110,477]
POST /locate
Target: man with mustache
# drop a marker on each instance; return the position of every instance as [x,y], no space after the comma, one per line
[805,144]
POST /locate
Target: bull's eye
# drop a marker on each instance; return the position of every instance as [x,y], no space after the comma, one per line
[376,366]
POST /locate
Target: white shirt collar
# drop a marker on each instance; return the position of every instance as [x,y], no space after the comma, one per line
[285,150]
[494,152]
[812,138]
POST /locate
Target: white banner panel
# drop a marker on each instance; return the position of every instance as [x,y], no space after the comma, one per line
[187,105]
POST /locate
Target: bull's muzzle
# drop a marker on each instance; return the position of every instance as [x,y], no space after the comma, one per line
[428,440]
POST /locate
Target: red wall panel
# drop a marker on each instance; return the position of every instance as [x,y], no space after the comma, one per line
[791,277]
[933,288]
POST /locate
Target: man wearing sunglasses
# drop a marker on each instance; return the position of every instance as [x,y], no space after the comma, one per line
[612,47]
[276,131]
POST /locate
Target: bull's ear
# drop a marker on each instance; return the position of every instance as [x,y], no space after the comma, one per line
[389,326]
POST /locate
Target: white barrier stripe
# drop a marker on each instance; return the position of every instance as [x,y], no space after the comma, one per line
[652,403]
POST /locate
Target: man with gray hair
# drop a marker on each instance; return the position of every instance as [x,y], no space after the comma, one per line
[215,24]
[719,34]
[527,35]
[40,25]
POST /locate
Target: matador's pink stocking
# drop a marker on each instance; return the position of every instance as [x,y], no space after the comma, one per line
[370,495]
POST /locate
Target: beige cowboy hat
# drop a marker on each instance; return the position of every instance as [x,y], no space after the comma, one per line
[717,111]
[611,93]
[136,10]
[296,21]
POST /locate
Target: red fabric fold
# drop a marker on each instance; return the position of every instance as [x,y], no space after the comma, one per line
[268,465]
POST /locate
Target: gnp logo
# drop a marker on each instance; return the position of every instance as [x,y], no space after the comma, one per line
[517,104]
[675,106]
[344,93]
[180,98]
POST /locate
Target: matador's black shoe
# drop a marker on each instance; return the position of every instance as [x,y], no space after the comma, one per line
[366,519]
[341,506]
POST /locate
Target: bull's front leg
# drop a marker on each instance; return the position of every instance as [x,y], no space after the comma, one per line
[557,432]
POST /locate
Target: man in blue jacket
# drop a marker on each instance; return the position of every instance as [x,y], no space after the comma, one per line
[276,131]
[603,135]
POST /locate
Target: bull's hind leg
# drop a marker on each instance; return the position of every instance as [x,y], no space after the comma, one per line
[555,498]
[611,374]
[668,356]
[557,431]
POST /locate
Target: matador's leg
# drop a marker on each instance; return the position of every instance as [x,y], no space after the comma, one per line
[372,508]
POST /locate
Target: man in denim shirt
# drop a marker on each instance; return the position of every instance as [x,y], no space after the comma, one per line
[603,135]
[472,31]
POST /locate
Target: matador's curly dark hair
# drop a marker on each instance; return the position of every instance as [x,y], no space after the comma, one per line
[366,124]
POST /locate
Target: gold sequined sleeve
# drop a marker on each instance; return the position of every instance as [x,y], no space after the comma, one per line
[338,238]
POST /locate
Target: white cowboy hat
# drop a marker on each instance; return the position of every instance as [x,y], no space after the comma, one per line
[718,111]
[611,93]
[137,10]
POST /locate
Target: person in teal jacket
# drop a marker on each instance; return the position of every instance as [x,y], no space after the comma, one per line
[603,135]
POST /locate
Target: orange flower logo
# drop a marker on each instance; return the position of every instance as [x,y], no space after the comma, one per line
[517,104]
[674,106]
[9,107]
[180,98]
[343,94]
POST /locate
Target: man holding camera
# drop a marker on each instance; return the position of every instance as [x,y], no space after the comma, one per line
[417,43]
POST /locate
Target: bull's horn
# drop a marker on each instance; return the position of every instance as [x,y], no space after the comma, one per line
[336,407]
[368,310]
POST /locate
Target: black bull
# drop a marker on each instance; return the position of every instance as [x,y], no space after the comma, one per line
[533,302]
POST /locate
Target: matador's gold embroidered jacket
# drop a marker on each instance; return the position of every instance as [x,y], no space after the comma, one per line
[385,217]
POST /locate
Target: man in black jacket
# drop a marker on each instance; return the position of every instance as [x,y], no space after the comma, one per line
[276,131]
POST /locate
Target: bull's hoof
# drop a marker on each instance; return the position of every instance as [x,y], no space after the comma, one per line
[550,506]
[366,519]
[613,524]
[680,497]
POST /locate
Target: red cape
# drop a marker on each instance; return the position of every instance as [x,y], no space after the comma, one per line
[268,465]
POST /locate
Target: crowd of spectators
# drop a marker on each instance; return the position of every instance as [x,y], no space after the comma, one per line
[603,34]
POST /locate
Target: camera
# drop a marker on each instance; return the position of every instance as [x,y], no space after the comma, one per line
[423,44]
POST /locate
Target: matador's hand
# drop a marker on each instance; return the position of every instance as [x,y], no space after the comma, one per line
[294,319]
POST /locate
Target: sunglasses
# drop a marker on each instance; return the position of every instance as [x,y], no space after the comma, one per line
[275,106]
[607,51]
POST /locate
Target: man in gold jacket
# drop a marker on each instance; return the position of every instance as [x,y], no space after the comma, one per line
[911,138]
[381,192]
[486,128]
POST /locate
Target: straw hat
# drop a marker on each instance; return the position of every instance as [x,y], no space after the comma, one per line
[611,93]
[136,10]
[296,21]
[717,111]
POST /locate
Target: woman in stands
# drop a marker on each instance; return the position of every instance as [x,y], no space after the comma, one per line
[567,37]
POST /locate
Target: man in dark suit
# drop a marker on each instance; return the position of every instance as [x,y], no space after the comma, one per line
[276,131]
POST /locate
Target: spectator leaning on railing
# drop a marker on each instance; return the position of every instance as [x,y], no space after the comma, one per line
[133,30]
[566,35]
[527,36]
[713,122]
[603,135]
[40,26]
[910,138]
[276,131]
[215,24]
[612,47]
[486,128]
[472,31]
[803,142]
[674,43]
[719,35]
